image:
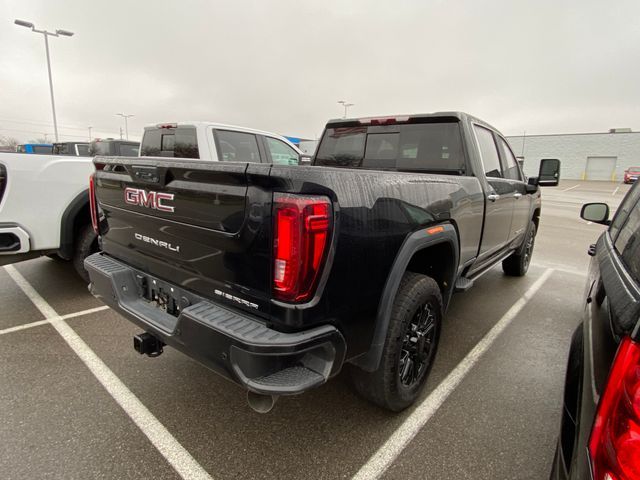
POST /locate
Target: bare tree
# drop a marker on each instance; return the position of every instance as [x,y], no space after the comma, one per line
[7,141]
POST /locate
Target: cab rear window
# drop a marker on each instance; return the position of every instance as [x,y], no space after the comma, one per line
[179,142]
[428,147]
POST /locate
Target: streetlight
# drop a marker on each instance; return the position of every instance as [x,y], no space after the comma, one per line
[89,127]
[126,126]
[346,106]
[58,33]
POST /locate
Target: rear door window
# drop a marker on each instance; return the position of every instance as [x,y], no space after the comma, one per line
[488,152]
[237,146]
[83,150]
[623,212]
[281,153]
[180,142]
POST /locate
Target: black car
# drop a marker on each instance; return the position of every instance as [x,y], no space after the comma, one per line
[600,431]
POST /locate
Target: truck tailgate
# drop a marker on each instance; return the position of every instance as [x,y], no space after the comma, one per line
[187,222]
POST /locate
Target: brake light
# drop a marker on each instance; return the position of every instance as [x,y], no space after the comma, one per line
[302,226]
[384,120]
[93,206]
[614,445]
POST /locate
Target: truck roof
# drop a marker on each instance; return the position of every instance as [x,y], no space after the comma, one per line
[200,123]
[460,116]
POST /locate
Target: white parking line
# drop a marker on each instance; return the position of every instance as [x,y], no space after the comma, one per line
[48,320]
[571,188]
[615,191]
[382,459]
[177,456]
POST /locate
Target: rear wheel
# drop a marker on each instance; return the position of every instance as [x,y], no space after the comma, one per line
[410,346]
[86,244]
[517,264]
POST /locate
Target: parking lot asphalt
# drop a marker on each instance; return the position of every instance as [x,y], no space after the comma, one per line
[491,408]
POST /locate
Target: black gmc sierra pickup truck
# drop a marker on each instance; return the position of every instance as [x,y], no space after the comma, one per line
[277,276]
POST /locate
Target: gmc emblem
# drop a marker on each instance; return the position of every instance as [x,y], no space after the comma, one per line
[153,200]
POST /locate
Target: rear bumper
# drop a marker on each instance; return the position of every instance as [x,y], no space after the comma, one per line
[236,345]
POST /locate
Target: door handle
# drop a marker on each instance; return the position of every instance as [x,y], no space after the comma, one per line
[493,197]
[517,195]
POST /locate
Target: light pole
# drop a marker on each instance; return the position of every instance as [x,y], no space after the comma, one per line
[64,33]
[89,132]
[126,125]
[346,106]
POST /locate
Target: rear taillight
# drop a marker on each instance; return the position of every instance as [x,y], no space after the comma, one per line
[614,445]
[93,204]
[302,228]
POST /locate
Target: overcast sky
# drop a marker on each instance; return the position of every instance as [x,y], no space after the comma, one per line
[543,67]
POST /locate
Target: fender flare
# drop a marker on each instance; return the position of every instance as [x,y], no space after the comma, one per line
[67,223]
[413,243]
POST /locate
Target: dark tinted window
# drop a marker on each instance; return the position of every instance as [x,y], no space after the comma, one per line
[342,147]
[60,148]
[511,171]
[237,146]
[628,242]
[490,159]
[623,212]
[180,142]
[99,148]
[281,153]
[129,150]
[42,149]
[83,150]
[435,147]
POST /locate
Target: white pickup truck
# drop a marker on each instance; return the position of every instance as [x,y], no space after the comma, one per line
[215,141]
[44,208]
[44,200]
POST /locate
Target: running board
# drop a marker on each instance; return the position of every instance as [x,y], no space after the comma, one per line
[465,283]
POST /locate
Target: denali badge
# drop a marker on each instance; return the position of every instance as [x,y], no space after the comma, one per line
[154,200]
[157,243]
[239,300]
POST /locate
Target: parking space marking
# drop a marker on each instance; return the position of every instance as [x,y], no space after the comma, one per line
[177,456]
[570,271]
[48,320]
[615,191]
[382,459]
[571,188]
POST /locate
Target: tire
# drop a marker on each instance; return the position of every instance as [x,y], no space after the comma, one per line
[397,382]
[517,264]
[86,244]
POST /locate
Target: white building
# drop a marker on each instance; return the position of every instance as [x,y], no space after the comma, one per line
[583,156]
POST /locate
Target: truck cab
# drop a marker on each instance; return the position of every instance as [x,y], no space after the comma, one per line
[217,142]
[74,149]
[113,147]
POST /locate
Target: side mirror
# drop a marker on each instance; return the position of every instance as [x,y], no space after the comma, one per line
[305,159]
[532,185]
[549,173]
[596,213]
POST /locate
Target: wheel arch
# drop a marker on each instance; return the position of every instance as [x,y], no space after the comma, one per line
[75,216]
[432,251]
